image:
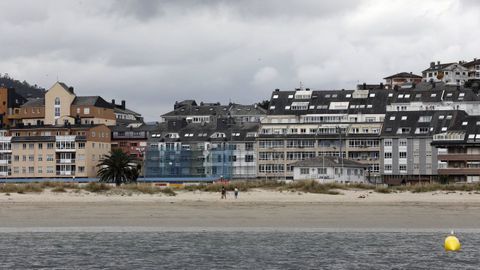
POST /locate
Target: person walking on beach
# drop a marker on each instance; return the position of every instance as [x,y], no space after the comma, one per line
[235,191]
[224,193]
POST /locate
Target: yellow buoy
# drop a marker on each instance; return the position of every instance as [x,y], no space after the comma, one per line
[452,243]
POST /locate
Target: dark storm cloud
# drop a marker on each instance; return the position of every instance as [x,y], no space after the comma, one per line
[152,53]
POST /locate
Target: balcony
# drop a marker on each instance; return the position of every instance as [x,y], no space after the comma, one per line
[65,161]
[60,149]
[5,162]
[459,171]
[66,173]
[459,157]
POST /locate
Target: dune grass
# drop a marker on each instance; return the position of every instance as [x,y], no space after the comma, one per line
[21,188]
[307,186]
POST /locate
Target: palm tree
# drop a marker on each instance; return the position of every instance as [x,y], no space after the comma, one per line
[118,168]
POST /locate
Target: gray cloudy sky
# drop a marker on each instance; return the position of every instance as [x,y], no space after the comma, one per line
[152,53]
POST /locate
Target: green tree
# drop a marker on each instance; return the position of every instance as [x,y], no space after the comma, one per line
[118,168]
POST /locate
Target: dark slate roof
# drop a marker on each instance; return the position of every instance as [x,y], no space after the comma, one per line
[203,131]
[96,101]
[203,109]
[143,127]
[467,126]
[404,75]
[475,61]
[432,92]
[33,139]
[239,109]
[66,87]
[437,67]
[329,162]
[439,119]
[321,101]
[34,102]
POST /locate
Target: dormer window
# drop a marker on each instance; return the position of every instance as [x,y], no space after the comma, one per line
[275,96]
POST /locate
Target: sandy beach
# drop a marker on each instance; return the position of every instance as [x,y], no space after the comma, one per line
[254,209]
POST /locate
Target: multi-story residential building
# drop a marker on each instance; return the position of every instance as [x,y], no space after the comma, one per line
[10,102]
[402,78]
[303,124]
[459,151]
[132,140]
[54,151]
[449,73]
[61,105]
[223,149]
[473,69]
[407,154]
[209,112]
[125,116]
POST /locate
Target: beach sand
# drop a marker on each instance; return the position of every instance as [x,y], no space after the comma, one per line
[253,209]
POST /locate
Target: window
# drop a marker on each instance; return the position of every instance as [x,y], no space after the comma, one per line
[304,170]
[433,95]
[402,142]
[49,145]
[275,96]
[24,146]
[388,154]
[402,154]
[40,146]
[49,169]
[81,145]
[86,110]
[24,158]
[425,119]
[404,117]
[16,158]
[81,169]
[57,101]
[322,170]
[390,94]
[387,142]
[49,157]
[388,167]
[403,167]
[372,95]
[57,111]
[40,158]
[31,158]
[248,158]
[392,118]
[40,169]
[31,170]
[31,146]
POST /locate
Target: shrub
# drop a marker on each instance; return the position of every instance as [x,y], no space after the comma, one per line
[168,191]
[20,188]
[383,190]
[59,189]
[97,187]
[142,188]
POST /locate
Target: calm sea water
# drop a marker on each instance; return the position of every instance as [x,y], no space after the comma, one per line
[235,250]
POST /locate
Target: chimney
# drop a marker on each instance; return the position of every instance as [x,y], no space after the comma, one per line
[438,62]
[432,64]
[71,89]
[381,85]
[364,86]
[123,104]
[113,101]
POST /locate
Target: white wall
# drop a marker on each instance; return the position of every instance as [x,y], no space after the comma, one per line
[330,176]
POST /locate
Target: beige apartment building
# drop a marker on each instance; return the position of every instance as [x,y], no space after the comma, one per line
[61,106]
[53,152]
